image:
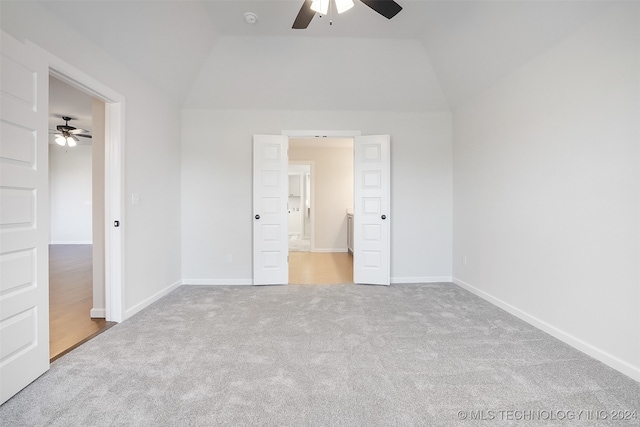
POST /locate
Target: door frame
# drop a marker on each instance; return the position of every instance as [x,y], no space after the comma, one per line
[114,168]
[315,134]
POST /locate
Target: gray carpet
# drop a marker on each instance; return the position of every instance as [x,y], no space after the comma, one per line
[340,355]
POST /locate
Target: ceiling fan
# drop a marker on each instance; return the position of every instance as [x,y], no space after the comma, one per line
[68,135]
[386,8]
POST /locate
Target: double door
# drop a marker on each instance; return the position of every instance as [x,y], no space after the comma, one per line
[371,221]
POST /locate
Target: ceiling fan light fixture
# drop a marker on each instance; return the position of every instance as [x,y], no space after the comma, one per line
[61,140]
[320,6]
[71,142]
[343,5]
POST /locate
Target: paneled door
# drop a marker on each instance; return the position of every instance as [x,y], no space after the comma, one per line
[371,252]
[270,225]
[24,217]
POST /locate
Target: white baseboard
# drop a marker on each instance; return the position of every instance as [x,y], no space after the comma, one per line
[234,282]
[153,298]
[71,242]
[98,313]
[217,282]
[424,279]
[599,354]
[329,250]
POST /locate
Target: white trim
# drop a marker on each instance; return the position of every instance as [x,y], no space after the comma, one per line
[98,313]
[153,298]
[217,282]
[589,349]
[638,219]
[321,133]
[423,279]
[71,242]
[114,210]
[330,250]
[114,162]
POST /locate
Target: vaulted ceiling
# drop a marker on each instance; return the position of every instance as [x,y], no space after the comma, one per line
[434,55]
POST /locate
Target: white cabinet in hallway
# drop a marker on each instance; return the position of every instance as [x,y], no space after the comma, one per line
[294,185]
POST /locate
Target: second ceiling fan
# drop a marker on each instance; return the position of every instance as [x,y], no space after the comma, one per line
[68,135]
[386,8]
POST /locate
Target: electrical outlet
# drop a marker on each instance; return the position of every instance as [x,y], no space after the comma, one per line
[229,258]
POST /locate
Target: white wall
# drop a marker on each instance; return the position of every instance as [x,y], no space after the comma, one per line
[547,186]
[317,73]
[217,193]
[332,183]
[70,194]
[151,150]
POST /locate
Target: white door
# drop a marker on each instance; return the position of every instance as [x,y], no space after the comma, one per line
[371,254]
[24,217]
[270,226]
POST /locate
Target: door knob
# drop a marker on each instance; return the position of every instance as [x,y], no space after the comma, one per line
[383,217]
[257,216]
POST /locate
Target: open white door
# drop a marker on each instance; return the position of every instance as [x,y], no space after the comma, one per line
[270,226]
[24,217]
[371,254]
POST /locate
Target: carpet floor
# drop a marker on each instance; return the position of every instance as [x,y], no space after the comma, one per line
[341,355]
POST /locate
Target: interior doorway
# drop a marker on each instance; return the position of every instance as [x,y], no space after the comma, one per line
[114,124]
[77,217]
[320,197]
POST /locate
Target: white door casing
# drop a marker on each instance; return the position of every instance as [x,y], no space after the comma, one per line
[371,258]
[270,221]
[24,217]
[113,179]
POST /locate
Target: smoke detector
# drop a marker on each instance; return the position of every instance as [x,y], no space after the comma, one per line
[250,17]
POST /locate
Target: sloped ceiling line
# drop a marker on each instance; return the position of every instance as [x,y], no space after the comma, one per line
[434,55]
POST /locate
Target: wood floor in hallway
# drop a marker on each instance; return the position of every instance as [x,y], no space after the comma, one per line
[71,299]
[315,268]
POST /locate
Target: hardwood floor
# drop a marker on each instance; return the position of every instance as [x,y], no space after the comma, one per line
[312,268]
[71,299]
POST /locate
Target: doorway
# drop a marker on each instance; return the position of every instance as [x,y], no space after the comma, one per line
[25,188]
[76,187]
[113,116]
[320,196]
